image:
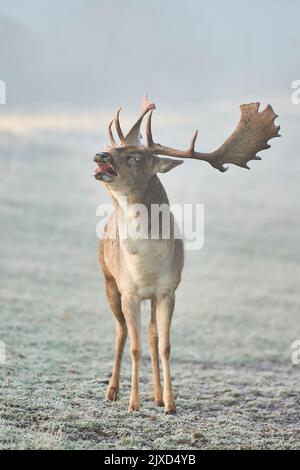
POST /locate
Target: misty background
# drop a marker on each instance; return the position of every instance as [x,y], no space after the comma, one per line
[68,65]
[90,55]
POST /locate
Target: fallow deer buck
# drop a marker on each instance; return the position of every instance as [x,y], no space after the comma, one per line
[138,269]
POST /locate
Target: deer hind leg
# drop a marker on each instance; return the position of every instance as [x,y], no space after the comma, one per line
[164,313]
[114,299]
[131,307]
[153,345]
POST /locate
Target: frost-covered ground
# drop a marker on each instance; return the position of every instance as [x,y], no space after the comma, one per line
[237,310]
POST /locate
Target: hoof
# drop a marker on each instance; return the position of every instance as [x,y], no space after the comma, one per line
[111,394]
[134,406]
[170,411]
[170,408]
[159,402]
[158,398]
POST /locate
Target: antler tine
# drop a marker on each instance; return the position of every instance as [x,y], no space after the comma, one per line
[150,142]
[160,149]
[192,147]
[134,135]
[110,134]
[118,126]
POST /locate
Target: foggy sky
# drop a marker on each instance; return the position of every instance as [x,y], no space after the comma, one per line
[76,54]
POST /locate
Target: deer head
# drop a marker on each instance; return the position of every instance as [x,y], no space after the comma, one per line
[130,164]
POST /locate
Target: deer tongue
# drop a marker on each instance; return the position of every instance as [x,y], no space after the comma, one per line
[103,168]
[99,170]
[105,172]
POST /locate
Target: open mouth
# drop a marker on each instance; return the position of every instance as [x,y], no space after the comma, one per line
[105,172]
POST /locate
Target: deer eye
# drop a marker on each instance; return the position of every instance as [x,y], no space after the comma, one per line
[134,159]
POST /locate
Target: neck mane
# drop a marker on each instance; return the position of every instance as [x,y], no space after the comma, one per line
[154,193]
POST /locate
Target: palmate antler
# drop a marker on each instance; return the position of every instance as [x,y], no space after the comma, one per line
[251,136]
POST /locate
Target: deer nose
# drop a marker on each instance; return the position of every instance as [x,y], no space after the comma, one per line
[100,157]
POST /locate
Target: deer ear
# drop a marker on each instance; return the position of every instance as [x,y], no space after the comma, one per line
[162,165]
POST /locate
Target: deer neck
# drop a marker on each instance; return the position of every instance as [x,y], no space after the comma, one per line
[135,207]
[154,193]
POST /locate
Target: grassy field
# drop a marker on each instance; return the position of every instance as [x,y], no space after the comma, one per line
[237,309]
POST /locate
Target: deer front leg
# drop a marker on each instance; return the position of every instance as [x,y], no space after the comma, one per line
[153,345]
[114,299]
[164,313]
[113,387]
[131,307]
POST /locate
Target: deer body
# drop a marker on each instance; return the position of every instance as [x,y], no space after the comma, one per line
[149,267]
[145,265]
[141,269]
